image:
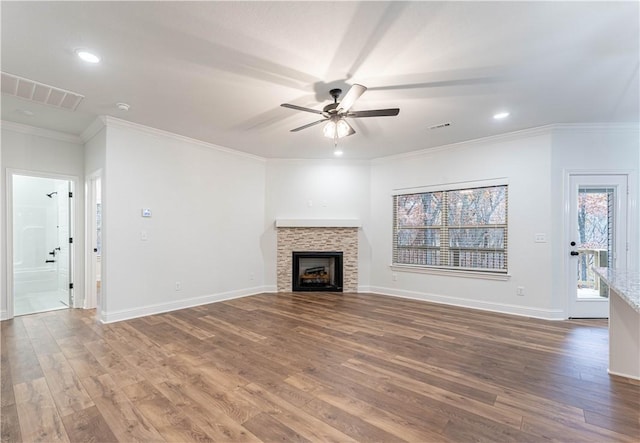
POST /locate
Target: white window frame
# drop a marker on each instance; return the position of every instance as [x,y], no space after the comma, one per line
[489,274]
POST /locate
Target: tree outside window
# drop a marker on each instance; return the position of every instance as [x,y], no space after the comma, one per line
[462,228]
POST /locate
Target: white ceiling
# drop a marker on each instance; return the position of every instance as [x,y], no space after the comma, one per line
[218,71]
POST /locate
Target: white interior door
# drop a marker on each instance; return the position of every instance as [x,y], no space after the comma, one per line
[597,237]
[93,242]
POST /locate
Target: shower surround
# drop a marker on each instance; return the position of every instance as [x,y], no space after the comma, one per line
[40,244]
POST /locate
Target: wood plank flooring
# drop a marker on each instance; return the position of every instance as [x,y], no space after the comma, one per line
[312,367]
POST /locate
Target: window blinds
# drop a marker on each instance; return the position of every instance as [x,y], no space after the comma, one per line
[458,228]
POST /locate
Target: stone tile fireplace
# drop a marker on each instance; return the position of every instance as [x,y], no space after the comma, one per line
[317,236]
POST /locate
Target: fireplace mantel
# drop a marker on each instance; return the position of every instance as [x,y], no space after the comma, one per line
[318,223]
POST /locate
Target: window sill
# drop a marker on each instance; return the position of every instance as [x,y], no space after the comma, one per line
[451,272]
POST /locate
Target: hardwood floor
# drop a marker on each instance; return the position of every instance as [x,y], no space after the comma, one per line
[312,367]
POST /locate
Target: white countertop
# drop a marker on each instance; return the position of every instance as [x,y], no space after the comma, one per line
[625,283]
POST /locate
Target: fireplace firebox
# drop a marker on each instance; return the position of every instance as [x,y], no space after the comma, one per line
[317,271]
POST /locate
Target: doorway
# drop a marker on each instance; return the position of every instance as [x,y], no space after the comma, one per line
[93,192]
[41,233]
[597,237]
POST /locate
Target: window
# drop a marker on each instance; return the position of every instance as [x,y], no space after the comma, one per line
[452,229]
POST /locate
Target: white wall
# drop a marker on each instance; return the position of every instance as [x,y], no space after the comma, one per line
[95,149]
[535,162]
[213,211]
[594,149]
[205,231]
[317,189]
[46,152]
[524,160]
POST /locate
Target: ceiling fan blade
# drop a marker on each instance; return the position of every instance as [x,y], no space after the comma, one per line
[300,108]
[309,125]
[375,113]
[354,93]
[351,130]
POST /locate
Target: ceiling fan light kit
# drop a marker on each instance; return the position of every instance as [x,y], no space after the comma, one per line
[335,113]
[329,129]
[337,128]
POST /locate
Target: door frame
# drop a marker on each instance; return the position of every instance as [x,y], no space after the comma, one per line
[73,180]
[630,223]
[90,300]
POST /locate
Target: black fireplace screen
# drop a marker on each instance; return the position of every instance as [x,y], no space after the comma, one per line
[317,271]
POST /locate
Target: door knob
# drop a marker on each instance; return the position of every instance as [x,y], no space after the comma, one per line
[575,253]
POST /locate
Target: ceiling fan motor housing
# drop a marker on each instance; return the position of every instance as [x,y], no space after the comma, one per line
[331,108]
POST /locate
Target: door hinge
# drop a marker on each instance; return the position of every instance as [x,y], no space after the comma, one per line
[70,194]
[70,285]
[70,240]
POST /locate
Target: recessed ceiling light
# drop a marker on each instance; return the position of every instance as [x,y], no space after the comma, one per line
[122,106]
[87,56]
[501,115]
[338,152]
[25,112]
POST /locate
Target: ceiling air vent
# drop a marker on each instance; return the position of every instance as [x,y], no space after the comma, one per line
[39,92]
[440,125]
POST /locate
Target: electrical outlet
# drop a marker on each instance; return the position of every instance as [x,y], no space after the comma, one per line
[520,291]
[178,286]
[540,238]
[394,277]
[251,276]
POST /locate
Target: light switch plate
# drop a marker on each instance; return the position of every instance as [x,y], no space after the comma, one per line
[540,238]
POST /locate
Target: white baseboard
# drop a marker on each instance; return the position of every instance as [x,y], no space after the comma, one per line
[620,374]
[126,314]
[4,315]
[545,314]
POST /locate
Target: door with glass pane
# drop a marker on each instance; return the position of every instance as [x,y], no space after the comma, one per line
[597,238]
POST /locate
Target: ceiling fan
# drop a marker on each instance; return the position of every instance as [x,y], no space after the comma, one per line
[335,113]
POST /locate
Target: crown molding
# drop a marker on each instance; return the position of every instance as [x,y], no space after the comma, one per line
[114,122]
[529,132]
[328,161]
[588,127]
[41,132]
[93,129]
